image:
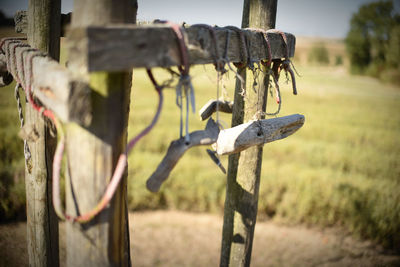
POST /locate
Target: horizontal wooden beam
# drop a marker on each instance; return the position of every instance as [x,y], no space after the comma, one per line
[21,22]
[52,84]
[123,47]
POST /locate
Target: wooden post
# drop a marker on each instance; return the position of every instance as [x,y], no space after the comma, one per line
[245,168]
[92,151]
[42,224]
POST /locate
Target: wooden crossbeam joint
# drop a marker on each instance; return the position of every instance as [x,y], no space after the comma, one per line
[56,88]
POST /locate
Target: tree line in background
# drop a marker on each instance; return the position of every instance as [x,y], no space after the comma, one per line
[5,21]
[373,42]
[319,54]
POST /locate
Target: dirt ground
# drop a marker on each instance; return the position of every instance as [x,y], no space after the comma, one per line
[172,238]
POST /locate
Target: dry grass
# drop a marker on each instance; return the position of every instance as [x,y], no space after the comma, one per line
[335,47]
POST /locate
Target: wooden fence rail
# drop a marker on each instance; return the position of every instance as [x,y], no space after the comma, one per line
[122,47]
[53,84]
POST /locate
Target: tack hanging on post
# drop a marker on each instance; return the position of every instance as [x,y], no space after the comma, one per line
[61,91]
[211,106]
[176,150]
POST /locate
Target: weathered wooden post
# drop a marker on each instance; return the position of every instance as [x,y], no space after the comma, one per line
[93,150]
[42,224]
[245,168]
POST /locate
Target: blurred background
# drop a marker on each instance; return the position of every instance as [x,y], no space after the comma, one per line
[341,170]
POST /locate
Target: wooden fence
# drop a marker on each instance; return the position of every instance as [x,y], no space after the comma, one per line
[91,98]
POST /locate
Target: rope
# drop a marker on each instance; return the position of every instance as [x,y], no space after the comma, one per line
[15,61]
[10,39]
[13,68]
[267,64]
[244,53]
[27,152]
[179,33]
[118,172]
[8,53]
[22,64]
[184,83]
[122,161]
[226,60]
[250,61]
[278,96]
[266,43]
[218,61]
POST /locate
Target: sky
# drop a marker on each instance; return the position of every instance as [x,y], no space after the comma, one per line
[324,18]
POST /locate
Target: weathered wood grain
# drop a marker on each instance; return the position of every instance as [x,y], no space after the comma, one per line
[255,133]
[123,47]
[176,150]
[211,106]
[56,88]
[244,169]
[93,151]
[21,22]
[42,222]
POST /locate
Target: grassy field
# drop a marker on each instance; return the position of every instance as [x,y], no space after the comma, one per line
[342,168]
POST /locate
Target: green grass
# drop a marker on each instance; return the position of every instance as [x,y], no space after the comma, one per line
[341,168]
[12,187]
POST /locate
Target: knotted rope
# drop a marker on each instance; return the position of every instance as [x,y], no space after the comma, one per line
[244,50]
[13,69]
[118,172]
[27,81]
[218,61]
[267,64]
[27,152]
